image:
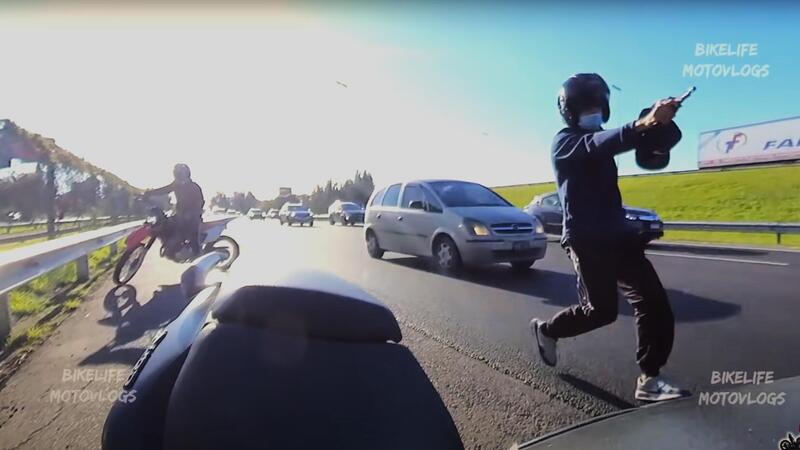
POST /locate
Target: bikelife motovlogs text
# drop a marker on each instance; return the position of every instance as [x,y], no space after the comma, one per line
[88,376]
[719,70]
[734,378]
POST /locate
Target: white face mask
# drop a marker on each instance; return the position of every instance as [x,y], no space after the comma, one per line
[591,122]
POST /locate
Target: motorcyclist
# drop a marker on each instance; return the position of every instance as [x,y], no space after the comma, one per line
[605,250]
[184,225]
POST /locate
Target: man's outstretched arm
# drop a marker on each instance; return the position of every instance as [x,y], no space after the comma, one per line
[160,191]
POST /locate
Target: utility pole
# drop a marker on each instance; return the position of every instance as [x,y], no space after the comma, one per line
[50,197]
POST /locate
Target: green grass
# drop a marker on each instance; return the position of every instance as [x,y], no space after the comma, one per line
[770,194]
[36,295]
[26,302]
[72,303]
[21,229]
[44,302]
[38,333]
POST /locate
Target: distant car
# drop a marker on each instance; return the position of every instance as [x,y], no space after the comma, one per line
[14,216]
[756,416]
[255,214]
[547,209]
[272,213]
[233,212]
[292,213]
[346,213]
[455,222]
[218,211]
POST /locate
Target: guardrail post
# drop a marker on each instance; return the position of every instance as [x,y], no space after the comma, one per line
[778,235]
[5,319]
[82,264]
[113,250]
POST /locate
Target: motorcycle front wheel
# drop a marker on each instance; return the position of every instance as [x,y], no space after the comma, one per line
[229,245]
[130,263]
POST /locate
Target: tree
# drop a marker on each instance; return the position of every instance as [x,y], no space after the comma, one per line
[357,190]
[220,200]
[63,182]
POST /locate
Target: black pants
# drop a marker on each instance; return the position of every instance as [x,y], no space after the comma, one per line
[603,267]
[185,227]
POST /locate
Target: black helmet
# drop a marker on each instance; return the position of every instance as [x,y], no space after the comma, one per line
[181,172]
[580,92]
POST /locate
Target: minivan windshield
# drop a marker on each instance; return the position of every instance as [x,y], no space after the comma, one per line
[350,207]
[297,208]
[457,194]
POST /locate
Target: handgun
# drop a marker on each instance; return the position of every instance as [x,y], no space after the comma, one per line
[686,94]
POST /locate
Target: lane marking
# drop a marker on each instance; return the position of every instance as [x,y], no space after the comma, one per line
[716,258]
[721,246]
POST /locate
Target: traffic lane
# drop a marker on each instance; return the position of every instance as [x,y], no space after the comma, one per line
[718,305]
[413,295]
[742,255]
[60,397]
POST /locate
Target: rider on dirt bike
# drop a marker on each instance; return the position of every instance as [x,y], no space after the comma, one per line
[184,225]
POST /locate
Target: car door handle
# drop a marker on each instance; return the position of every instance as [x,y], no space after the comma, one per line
[378,216]
[399,217]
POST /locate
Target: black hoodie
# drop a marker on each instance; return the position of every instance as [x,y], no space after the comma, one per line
[586,174]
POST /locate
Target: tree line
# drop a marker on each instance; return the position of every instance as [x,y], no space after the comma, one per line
[61,184]
[357,189]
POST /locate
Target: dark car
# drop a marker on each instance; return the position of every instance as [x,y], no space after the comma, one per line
[292,213]
[346,213]
[547,208]
[748,417]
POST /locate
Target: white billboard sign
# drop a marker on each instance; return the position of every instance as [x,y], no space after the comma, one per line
[778,140]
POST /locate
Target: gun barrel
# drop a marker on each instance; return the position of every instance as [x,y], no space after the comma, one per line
[686,94]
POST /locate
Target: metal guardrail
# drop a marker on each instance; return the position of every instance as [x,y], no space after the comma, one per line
[58,222]
[742,227]
[21,265]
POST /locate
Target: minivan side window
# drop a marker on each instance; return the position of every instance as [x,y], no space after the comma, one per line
[376,200]
[433,203]
[411,193]
[391,196]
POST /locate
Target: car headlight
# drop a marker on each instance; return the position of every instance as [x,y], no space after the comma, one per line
[630,216]
[476,228]
[537,226]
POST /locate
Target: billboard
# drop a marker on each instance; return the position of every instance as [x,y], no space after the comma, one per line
[777,140]
[284,192]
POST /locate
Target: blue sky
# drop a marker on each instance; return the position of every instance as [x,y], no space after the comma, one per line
[247,95]
[503,65]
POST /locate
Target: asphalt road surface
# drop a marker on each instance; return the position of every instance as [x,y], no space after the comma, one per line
[736,309]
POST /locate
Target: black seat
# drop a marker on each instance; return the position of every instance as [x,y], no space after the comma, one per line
[287,368]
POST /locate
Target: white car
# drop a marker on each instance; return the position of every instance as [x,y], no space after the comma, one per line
[255,214]
[455,222]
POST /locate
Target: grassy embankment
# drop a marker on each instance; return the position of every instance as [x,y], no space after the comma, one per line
[769,194]
[41,304]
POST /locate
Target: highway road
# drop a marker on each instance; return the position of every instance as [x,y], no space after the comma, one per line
[736,309]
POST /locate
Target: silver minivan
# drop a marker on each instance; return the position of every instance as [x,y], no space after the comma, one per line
[455,222]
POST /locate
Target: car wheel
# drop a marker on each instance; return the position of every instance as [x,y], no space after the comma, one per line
[373,247]
[522,266]
[446,255]
[331,221]
[311,224]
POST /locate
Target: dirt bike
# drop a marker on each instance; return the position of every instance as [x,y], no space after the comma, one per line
[157,227]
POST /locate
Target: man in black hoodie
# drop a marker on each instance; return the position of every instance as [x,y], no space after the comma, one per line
[605,250]
[189,202]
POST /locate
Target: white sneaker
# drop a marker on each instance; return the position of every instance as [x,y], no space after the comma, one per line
[657,389]
[545,344]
